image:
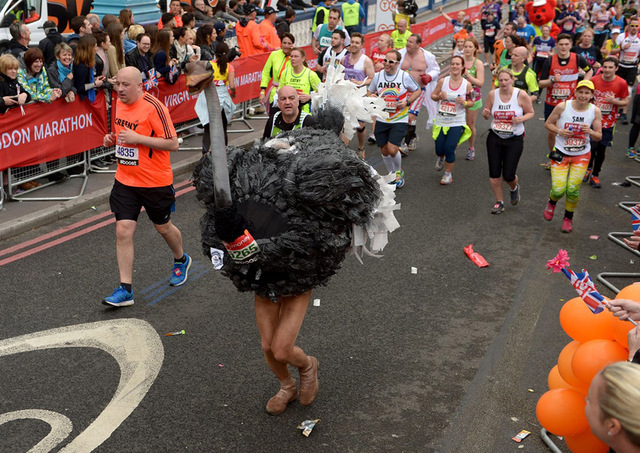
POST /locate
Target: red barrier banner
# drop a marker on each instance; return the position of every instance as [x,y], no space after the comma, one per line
[51,131]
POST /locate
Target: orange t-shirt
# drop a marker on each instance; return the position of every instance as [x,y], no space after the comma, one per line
[139,165]
[176,19]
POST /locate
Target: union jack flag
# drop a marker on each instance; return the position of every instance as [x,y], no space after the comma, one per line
[151,81]
[635,217]
[586,289]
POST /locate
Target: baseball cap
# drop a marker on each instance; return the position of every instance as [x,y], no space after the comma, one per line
[269,10]
[49,25]
[248,9]
[586,84]
[32,8]
[615,30]
[219,26]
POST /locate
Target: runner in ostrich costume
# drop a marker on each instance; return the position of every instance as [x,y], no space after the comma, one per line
[282,216]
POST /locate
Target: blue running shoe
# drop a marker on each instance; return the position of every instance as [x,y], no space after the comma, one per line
[180,272]
[399,179]
[119,298]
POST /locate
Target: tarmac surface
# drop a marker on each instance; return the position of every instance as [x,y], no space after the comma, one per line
[448,358]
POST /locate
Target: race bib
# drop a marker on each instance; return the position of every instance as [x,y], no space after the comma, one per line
[489,33]
[503,123]
[542,54]
[578,141]
[243,248]
[127,155]
[324,41]
[390,103]
[605,107]
[628,57]
[561,91]
[447,108]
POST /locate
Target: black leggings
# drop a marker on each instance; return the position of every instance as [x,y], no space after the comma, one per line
[206,139]
[504,155]
[597,157]
[635,120]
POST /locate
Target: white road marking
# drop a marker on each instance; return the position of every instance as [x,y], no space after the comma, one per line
[136,347]
[61,426]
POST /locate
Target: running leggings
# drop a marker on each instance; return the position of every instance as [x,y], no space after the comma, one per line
[633,135]
[597,157]
[446,144]
[504,155]
[566,177]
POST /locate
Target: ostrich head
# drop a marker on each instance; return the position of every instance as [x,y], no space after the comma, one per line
[199,76]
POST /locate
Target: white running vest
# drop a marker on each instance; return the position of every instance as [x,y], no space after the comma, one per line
[503,113]
[450,113]
[571,120]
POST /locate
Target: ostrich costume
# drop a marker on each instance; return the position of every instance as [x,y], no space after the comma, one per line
[304,197]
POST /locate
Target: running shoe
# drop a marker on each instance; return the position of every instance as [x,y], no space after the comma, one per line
[119,298]
[595,182]
[567,225]
[498,208]
[439,163]
[99,164]
[515,195]
[631,153]
[413,144]
[399,179]
[372,139]
[548,211]
[446,179]
[404,150]
[623,117]
[471,154]
[587,175]
[180,272]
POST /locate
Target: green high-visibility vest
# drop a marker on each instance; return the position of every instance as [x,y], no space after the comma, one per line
[315,16]
[351,14]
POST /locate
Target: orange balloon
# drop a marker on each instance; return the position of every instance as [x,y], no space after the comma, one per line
[586,442]
[594,355]
[630,292]
[582,325]
[565,370]
[620,329]
[561,412]
[555,381]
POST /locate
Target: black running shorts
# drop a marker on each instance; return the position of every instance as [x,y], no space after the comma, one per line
[126,202]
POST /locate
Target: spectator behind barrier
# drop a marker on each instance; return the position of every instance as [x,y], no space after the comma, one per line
[236,9]
[200,12]
[11,93]
[50,41]
[83,69]
[132,42]
[248,34]
[34,78]
[61,72]
[152,31]
[189,20]
[140,57]
[164,64]
[20,37]
[126,19]
[81,27]
[167,20]
[205,36]
[102,61]
[94,20]
[283,25]
[180,50]
[108,19]
[612,406]
[176,9]
[191,41]
[115,54]
[268,33]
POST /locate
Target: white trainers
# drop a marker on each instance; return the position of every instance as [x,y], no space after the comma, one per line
[471,154]
[446,179]
[404,151]
[439,163]
[413,143]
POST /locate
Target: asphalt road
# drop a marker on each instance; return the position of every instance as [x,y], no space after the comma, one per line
[450,359]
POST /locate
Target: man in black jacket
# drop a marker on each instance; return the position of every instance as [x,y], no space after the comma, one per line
[19,44]
[140,56]
[51,40]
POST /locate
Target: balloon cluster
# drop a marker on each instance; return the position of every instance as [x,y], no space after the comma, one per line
[598,340]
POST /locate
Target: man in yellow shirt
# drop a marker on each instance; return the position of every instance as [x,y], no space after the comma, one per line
[400,35]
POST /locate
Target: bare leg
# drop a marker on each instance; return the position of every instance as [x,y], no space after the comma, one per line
[172,237]
[513,184]
[471,122]
[124,249]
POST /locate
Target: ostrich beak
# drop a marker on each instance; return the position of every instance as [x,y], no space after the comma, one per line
[199,76]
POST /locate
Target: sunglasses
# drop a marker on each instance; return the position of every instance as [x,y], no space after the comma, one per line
[390,61]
